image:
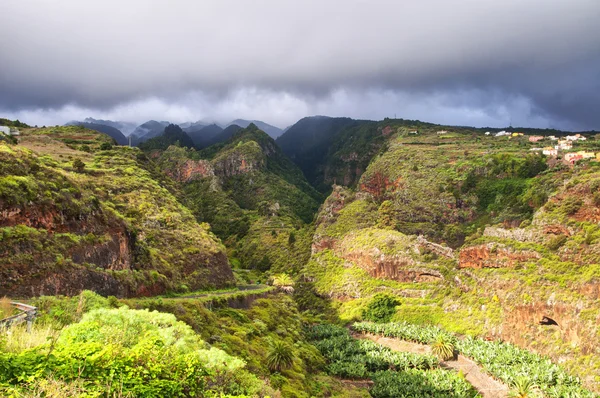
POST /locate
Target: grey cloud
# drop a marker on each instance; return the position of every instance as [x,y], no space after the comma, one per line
[188,58]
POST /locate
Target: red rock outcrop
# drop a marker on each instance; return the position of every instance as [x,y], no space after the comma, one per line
[191,170]
[492,256]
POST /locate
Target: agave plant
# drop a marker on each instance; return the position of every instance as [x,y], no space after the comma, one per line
[280,357]
[442,348]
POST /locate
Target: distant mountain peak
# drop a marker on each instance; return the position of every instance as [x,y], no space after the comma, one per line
[271,130]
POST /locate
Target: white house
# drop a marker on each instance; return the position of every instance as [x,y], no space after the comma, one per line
[502,133]
[442,132]
[5,130]
[487,133]
[549,151]
[564,145]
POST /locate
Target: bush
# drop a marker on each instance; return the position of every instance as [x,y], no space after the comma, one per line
[78,165]
[571,205]
[556,242]
[106,146]
[381,308]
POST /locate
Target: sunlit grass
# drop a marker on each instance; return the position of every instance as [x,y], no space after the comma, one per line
[17,338]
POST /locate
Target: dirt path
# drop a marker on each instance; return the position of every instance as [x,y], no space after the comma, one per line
[487,386]
[238,289]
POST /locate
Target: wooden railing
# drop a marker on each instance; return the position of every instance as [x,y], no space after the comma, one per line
[27,314]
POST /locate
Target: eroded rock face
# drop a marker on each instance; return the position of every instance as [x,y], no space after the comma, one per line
[191,170]
[518,234]
[398,268]
[236,164]
[379,184]
[493,256]
[521,325]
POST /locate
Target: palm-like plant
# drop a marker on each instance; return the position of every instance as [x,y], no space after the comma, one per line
[523,387]
[283,282]
[442,347]
[280,357]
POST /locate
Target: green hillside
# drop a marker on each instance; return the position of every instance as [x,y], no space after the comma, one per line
[83,214]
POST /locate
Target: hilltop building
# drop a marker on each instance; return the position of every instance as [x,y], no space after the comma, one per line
[535,138]
[549,151]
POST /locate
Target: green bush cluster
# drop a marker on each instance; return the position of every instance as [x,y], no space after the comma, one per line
[142,353]
[381,308]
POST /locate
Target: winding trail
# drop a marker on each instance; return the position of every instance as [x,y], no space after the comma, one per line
[238,289]
[487,386]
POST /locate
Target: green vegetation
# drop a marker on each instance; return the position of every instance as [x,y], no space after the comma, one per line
[442,347]
[381,308]
[280,357]
[106,220]
[255,199]
[141,353]
[394,374]
[504,361]
[457,234]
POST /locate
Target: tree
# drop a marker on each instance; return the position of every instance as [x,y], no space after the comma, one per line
[292,238]
[106,146]
[78,165]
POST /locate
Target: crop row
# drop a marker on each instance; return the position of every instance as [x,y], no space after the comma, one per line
[504,361]
[395,374]
[405,331]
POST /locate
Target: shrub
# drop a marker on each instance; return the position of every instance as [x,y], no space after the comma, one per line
[106,146]
[596,199]
[571,205]
[556,242]
[381,308]
[78,165]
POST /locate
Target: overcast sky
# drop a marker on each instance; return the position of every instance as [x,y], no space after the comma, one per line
[468,62]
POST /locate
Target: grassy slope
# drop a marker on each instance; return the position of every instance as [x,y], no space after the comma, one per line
[450,188]
[115,227]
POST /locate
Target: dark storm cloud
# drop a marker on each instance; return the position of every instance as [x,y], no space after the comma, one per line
[535,60]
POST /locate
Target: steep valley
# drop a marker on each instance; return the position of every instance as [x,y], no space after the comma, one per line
[398,222]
